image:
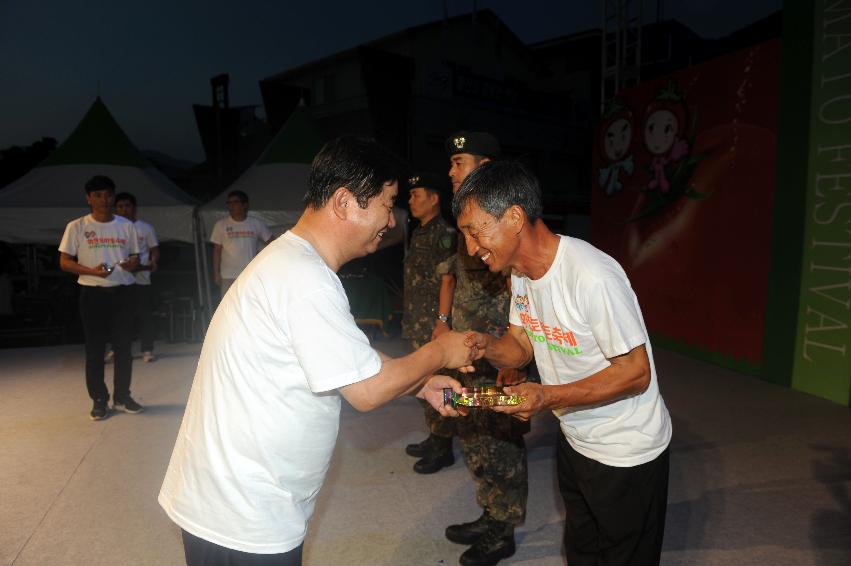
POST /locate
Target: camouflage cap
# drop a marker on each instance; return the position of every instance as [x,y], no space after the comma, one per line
[474,143]
[429,181]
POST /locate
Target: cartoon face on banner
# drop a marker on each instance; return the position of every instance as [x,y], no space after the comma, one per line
[660,130]
[684,204]
[618,138]
[615,141]
[664,129]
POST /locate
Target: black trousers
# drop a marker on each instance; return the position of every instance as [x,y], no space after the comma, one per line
[145,316]
[614,516]
[200,552]
[107,316]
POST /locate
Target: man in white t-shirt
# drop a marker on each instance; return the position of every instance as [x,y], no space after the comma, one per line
[236,240]
[103,249]
[573,309]
[149,257]
[263,413]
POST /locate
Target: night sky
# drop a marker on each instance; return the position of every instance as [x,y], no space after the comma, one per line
[150,61]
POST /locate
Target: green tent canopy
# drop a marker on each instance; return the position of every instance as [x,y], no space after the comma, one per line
[36,207]
[98,139]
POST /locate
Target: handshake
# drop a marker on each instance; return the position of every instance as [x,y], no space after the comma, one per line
[461,349]
[447,395]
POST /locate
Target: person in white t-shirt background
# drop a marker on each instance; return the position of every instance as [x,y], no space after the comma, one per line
[103,250]
[236,240]
[282,348]
[573,309]
[149,257]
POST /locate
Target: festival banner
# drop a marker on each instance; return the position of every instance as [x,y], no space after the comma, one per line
[683,178]
[822,362]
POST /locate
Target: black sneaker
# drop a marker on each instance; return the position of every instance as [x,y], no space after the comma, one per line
[128,405]
[468,533]
[100,409]
[493,546]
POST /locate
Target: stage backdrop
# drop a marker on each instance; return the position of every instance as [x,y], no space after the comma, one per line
[683,173]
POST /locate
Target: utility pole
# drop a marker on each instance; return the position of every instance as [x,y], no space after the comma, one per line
[221,103]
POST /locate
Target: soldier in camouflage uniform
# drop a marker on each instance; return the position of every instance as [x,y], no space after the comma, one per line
[492,443]
[433,241]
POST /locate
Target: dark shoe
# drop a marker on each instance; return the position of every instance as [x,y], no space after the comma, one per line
[100,409]
[128,405]
[419,449]
[434,462]
[468,533]
[493,546]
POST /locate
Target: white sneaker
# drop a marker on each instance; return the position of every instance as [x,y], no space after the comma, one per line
[148,357]
[109,357]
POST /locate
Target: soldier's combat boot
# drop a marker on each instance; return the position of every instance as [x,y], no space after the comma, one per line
[419,449]
[439,456]
[497,543]
[468,533]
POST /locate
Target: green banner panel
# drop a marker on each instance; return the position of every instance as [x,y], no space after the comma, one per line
[822,361]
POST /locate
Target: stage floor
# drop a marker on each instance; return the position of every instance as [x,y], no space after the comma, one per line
[760,474]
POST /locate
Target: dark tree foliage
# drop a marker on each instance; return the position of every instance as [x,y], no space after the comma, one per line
[16,161]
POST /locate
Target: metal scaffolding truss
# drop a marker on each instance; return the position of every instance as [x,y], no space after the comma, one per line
[621,49]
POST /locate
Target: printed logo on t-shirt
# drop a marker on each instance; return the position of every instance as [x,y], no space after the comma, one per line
[556,338]
[93,242]
[232,233]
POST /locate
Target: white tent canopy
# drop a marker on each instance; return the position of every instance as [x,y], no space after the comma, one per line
[35,208]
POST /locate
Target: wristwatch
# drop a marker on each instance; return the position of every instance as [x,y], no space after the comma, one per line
[443,318]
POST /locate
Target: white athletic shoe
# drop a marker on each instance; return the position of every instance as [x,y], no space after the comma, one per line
[148,357]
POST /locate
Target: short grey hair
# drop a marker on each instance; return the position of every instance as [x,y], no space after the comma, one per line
[496,186]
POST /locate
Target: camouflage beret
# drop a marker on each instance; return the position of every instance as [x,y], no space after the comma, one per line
[474,143]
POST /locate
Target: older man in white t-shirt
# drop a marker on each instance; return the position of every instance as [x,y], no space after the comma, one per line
[236,239]
[102,249]
[282,348]
[573,309]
